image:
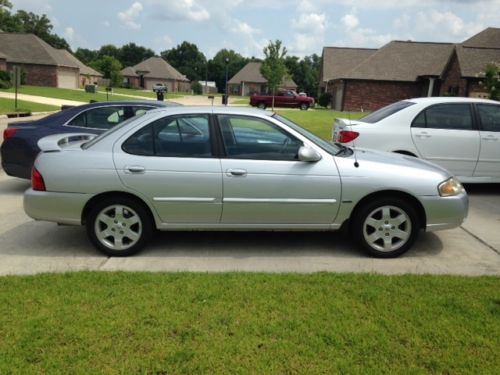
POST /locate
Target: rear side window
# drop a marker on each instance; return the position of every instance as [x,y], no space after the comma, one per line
[174,136]
[449,116]
[490,117]
[99,118]
[387,111]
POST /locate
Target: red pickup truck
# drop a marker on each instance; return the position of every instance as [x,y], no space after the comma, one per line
[286,98]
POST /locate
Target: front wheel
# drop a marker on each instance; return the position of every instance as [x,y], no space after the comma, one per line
[119,227]
[385,227]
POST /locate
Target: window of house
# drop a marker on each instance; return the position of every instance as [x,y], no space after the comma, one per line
[254,138]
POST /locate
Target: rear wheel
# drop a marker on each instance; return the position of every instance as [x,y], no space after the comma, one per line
[385,227]
[119,227]
[304,106]
[261,105]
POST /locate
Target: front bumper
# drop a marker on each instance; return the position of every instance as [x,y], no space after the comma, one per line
[62,208]
[445,212]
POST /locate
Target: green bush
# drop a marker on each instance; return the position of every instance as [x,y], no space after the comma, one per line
[196,87]
[325,99]
[5,82]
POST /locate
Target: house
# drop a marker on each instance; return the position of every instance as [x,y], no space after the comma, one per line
[87,74]
[249,81]
[42,64]
[208,87]
[365,80]
[152,71]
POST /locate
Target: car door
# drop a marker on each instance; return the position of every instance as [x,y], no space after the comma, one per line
[489,156]
[264,183]
[170,162]
[446,135]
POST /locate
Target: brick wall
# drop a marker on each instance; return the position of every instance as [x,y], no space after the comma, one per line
[453,83]
[38,75]
[372,95]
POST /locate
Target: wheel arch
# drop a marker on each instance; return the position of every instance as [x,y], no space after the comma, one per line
[113,195]
[419,208]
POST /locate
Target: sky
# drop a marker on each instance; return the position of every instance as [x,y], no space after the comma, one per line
[247,26]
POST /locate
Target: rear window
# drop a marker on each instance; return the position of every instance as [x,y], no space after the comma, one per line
[386,111]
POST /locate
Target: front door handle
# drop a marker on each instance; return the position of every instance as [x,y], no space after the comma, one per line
[135,168]
[236,172]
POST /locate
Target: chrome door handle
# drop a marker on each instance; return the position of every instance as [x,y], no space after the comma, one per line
[236,172]
[423,135]
[135,168]
[490,138]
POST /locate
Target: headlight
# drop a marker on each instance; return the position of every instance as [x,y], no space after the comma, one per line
[450,187]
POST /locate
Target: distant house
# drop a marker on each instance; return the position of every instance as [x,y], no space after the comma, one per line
[87,74]
[363,79]
[42,64]
[155,70]
[249,81]
[208,87]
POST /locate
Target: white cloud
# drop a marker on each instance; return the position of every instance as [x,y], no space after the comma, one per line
[180,10]
[350,21]
[106,23]
[129,16]
[309,33]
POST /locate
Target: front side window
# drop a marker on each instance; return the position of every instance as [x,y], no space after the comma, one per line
[99,118]
[254,138]
[445,116]
[490,117]
[173,136]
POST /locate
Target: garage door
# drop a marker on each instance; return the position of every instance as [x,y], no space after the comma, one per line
[67,78]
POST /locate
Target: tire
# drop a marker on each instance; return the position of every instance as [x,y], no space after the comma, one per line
[304,107]
[385,227]
[119,227]
[261,105]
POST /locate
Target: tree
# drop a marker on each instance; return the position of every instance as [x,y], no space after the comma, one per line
[188,60]
[86,56]
[132,54]
[110,68]
[109,50]
[217,66]
[305,72]
[273,68]
[491,80]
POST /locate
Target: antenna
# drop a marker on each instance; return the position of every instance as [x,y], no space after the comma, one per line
[356,164]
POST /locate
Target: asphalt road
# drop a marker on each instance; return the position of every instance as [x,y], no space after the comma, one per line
[28,247]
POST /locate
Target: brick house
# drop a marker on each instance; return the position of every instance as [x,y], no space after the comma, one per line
[42,64]
[249,81]
[365,80]
[155,70]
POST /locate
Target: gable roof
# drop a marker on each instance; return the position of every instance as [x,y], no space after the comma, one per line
[404,61]
[336,62]
[30,49]
[156,67]
[84,69]
[251,73]
[128,72]
[488,38]
[472,61]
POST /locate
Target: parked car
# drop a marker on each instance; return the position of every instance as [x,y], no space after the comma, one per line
[284,98]
[460,134]
[220,168]
[19,147]
[159,87]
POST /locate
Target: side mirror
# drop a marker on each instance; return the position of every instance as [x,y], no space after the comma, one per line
[309,155]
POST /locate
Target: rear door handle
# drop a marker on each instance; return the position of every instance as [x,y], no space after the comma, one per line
[236,172]
[135,168]
[423,135]
[490,138]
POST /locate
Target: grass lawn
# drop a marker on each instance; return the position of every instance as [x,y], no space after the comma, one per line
[241,101]
[147,323]
[7,106]
[318,121]
[79,95]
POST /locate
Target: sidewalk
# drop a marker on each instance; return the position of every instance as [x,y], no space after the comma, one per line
[40,99]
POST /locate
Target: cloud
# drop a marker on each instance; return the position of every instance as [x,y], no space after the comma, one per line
[129,16]
[308,32]
[350,21]
[180,10]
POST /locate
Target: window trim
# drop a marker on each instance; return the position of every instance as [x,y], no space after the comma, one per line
[472,115]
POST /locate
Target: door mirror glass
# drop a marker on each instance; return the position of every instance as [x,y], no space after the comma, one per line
[309,155]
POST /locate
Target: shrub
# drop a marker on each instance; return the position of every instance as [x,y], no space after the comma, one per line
[196,87]
[325,99]
[5,82]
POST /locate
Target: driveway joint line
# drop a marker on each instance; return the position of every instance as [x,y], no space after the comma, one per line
[480,240]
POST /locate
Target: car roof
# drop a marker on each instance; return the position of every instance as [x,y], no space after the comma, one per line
[213,109]
[153,103]
[449,99]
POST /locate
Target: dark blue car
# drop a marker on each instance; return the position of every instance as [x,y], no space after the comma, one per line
[19,148]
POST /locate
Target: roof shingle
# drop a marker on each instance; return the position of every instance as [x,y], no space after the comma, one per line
[337,61]
[156,67]
[251,73]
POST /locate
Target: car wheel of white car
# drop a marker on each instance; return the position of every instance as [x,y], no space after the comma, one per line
[119,227]
[386,227]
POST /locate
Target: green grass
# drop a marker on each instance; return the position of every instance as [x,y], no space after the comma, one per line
[146,323]
[8,106]
[78,95]
[318,121]
[241,101]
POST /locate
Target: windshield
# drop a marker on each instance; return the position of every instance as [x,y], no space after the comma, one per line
[386,111]
[327,146]
[92,142]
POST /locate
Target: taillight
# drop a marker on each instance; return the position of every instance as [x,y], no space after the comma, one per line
[37,182]
[9,132]
[346,136]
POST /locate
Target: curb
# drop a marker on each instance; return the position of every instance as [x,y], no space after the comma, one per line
[32,114]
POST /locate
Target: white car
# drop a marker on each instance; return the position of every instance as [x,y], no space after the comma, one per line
[460,134]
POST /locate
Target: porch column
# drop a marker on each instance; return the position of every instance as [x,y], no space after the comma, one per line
[242,88]
[431,86]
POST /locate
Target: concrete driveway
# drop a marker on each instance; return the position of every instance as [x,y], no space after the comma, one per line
[28,247]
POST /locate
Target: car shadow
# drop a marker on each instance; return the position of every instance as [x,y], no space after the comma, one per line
[14,186]
[482,189]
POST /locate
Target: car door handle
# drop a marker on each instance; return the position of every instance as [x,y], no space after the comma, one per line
[490,138]
[135,168]
[423,135]
[236,172]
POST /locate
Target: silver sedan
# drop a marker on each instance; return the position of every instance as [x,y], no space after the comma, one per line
[211,168]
